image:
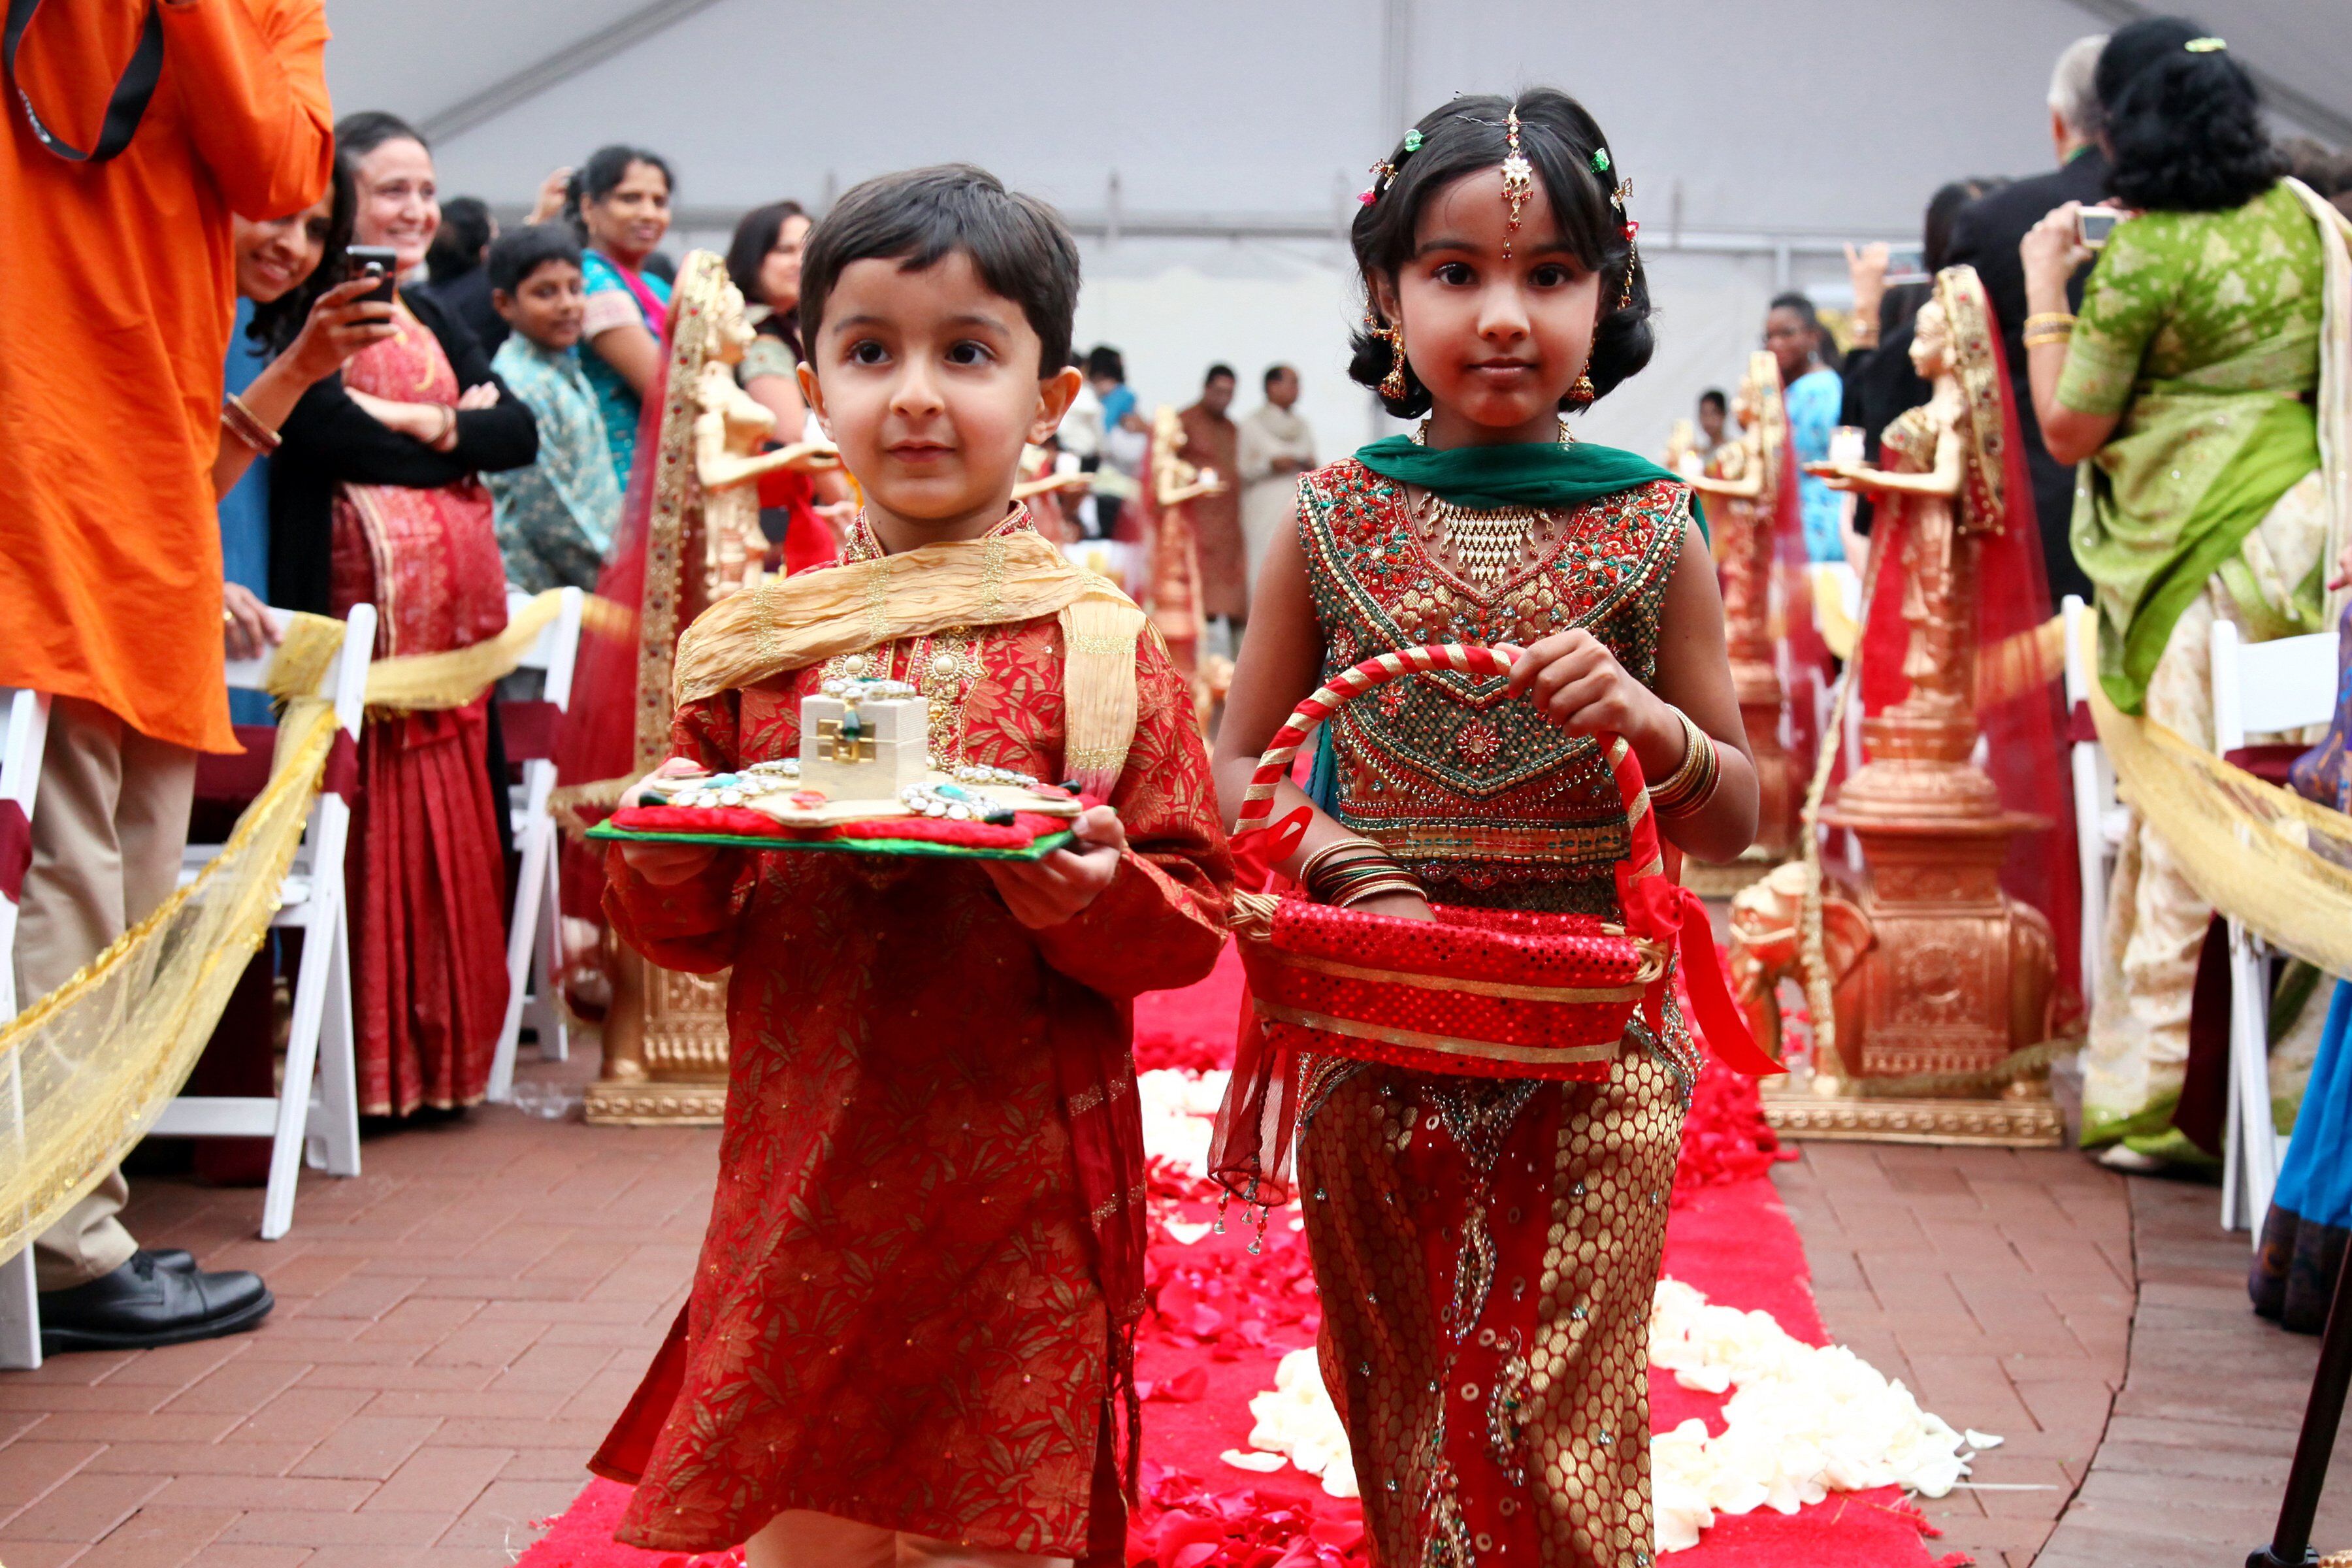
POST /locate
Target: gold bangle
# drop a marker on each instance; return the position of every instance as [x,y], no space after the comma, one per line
[2049,318]
[2042,337]
[242,423]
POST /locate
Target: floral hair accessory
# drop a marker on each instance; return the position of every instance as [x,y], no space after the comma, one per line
[1600,161]
[1413,140]
[2204,46]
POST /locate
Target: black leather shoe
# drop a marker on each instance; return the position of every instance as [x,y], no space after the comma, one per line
[143,1304]
[179,1260]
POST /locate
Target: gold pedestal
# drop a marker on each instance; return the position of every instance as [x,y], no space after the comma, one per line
[2022,1123]
[665,1048]
[1779,792]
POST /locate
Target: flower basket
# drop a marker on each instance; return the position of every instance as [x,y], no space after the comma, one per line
[1485,993]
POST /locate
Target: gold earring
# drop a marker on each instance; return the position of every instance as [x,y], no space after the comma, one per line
[1392,385]
[1582,392]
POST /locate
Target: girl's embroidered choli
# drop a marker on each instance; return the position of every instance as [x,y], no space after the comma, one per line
[1487,1248]
[900,1313]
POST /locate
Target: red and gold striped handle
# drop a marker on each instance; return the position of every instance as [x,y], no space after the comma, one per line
[1274,765]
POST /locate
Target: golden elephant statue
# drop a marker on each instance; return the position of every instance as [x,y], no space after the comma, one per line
[1765,948]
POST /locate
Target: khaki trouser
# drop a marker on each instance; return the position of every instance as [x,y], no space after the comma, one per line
[802,1539]
[108,824]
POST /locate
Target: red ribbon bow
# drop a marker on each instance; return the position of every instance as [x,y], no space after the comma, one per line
[1663,911]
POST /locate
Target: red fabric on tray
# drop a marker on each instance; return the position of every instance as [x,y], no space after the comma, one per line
[740,821]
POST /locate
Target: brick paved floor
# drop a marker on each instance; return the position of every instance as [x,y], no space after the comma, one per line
[455,1331]
[457,1328]
[1998,1285]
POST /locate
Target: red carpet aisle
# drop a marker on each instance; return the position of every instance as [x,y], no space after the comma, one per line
[1224,1318]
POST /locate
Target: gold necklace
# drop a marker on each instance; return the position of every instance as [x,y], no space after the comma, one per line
[1486,545]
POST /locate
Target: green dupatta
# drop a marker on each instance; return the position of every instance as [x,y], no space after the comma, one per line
[1535,473]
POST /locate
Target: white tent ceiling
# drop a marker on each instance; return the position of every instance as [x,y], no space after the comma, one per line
[1225,139]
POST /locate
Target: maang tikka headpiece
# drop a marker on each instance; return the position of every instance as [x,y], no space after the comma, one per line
[1518,177]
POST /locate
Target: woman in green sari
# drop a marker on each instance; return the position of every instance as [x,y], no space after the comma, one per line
[2190,390]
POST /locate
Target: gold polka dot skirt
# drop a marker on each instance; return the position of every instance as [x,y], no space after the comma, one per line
[1487,1252]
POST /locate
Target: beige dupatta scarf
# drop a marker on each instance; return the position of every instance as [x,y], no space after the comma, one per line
[790,622]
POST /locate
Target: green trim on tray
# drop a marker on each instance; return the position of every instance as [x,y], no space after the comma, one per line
[1037,849]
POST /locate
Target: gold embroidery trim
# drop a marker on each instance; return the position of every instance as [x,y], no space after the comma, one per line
[1450,1045]
[1628,992]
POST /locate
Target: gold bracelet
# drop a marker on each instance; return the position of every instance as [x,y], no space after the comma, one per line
[2043,337]
[1306,868]
[1691,786]
[1400,884]
[2049,318]
[241,422]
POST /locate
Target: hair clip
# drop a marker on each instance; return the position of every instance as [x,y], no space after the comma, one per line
[1381,175]
[1600,161]
[1413,140]
[2204,46]
[1518,178]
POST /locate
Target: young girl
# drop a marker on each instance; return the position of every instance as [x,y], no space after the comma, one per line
[1487,1248]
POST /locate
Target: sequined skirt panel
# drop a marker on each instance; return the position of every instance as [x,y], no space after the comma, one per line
[1488,1252]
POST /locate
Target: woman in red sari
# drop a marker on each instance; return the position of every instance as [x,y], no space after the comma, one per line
[400,437]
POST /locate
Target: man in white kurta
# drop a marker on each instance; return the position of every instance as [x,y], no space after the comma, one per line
[1275,447]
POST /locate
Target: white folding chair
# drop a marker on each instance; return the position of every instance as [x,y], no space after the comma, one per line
[535,939]
[2099,816]
[2259,688]
[320,1041]
[20,776]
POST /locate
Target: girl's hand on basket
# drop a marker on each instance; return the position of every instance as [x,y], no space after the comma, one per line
[1580,685]
[1043,893]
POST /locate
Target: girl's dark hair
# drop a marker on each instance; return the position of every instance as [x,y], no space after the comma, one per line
[2184,126]
[1943,208]
[274,325]
[1559,139]
[1017,244]
[755,236]
[601,175]
[362,134]
[1823,344]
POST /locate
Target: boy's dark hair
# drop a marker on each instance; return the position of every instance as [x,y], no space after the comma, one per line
[1713,398]
[458,244]
[2186,125]
[1102,360]
[362,134]
[601,175]
[1559,139]
[519,252]
[1017,244]
[1217,369]
[1274,372]
[275,325]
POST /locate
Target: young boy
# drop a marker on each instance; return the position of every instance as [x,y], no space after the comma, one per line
[909,1335]
[556,518]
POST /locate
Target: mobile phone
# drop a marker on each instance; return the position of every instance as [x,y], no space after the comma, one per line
[380,262]
[1905,264]
[2096,223]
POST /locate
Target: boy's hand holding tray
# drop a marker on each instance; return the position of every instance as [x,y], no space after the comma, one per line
[864,783]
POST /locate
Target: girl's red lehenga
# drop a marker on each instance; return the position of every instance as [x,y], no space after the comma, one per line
[427,882]
[1485,1248]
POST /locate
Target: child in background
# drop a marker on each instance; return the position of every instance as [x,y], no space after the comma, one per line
[1488,1247]
[910,1333]
[556,518]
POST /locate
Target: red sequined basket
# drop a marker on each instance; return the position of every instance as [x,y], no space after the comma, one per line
[1486,992]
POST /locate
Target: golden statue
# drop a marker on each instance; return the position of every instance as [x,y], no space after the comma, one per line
[1953,975]
[729,428]
[1174,601]
[1741,481]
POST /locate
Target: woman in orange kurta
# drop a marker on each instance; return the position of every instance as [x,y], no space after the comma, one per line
[901,1316]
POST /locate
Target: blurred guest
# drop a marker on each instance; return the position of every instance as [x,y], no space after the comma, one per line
[1210,442]
[1126,440]
[807,514]
[2186,387]
[375,498]
[1714,417]
[1812,391]
[1985,236]
[458,285]
[1274,447]
[117,265]
[555,518]
[619,202]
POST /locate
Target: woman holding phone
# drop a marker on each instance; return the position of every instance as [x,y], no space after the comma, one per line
[2185,389]
[374,499]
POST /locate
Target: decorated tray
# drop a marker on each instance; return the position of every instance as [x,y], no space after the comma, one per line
[864,785]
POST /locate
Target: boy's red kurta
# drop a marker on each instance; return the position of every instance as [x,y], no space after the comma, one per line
[897,1318]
